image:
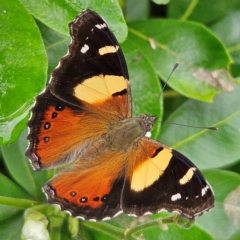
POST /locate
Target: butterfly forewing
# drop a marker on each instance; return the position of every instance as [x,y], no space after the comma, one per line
[94,68]
[88,90]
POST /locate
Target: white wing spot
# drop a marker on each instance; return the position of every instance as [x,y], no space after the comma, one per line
[100,26]
[176,196]
[204,190]
[85,48]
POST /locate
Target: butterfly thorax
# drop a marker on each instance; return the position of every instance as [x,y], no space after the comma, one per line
[124,133]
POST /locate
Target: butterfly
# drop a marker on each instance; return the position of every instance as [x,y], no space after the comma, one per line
[83,118]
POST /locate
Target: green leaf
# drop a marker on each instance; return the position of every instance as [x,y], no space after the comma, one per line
[23,61]
[29,180]
[235,69]
[204,11]
[55,227]
[148,230]
[223,220]
[207,149]
[236,236]
[228,31]
[139,11]
[144,82]
[175,233]
[190,44]
[58,14]
[11,228]
[9,189]
[56,45]
[161,1]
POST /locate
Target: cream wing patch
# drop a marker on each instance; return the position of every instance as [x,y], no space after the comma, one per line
[108,49]
[150,171]
[188,176]
[99,88]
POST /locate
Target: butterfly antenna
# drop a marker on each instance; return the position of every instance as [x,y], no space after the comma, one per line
[184,125]
[179,124]
[165,84]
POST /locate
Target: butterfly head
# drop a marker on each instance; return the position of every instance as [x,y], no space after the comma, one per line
[147,122]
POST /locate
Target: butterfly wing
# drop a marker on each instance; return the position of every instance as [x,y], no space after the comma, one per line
[149,178]
[88,90]
[164,179]
[94,67]
[90,189]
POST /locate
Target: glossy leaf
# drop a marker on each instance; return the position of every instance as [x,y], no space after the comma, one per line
[134,12]
[93,230]
[161,1]
[58,14]
[29,180]
[12,227]
[207,149]
[145,85]
[223,220]
[56,45]
[228,31]
[175,233]
[204,11]
[9,189]
[193,46]
[23,68]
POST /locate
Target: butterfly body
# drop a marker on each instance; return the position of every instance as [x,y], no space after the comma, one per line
[84,117]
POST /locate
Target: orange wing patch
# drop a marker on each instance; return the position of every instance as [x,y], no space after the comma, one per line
[82,189]
[62,136]
[51,147]
[90,185]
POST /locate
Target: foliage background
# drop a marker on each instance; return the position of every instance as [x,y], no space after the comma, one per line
[197,34]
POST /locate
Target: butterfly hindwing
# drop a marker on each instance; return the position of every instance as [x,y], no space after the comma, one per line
[90,189]
[164,179]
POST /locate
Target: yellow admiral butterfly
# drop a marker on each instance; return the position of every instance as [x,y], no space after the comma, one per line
[84,115]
